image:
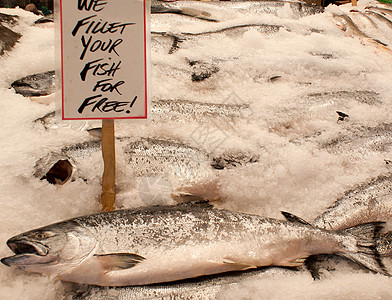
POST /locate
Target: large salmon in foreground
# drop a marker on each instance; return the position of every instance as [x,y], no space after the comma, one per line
[167,243]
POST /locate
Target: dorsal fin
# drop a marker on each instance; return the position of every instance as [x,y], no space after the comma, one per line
[197,202]
[294,219]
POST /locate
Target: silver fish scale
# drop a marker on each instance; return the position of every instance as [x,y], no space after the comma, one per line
[165,227]
[155,157]
[198,109]
[299,9]
[236,30]
[362,139]
[207,288]
[82,150]
[368,202]
[367,97]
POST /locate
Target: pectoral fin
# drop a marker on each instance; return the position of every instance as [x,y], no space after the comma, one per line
[238,265]
[119,261]
[298,262]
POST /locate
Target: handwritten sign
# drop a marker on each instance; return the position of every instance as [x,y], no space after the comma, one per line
[104,59]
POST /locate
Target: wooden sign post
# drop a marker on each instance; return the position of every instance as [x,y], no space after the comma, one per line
[108,196]
[104,69]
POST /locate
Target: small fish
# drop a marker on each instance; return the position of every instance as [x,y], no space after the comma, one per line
[169,243]
[8,39]
[41,84]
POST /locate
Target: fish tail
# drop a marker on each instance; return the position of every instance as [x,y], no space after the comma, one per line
[365,252]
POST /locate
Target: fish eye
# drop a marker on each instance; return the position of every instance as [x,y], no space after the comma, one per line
[43,235]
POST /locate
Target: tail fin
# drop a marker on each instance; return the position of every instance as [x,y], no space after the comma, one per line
[366,252]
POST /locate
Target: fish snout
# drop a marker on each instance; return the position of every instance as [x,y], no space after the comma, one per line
[24,246]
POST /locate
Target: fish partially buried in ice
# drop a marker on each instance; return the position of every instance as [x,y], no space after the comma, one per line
[370,201]
[169,243]
[41,84]
[203,288]
[367,202]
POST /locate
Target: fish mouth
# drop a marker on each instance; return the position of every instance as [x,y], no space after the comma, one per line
[28,247]
[28,253]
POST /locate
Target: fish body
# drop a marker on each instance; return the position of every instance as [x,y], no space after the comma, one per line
[343,96]
[41,84]
[361,139]
[380,17]
[181,109]
[364,20]
[383,11]
[205,288]
[367,202]
[169,243]
[345,23]
[149,157]
[298,9]
[236,30]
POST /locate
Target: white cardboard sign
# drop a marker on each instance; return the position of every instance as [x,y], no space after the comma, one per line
[104,59]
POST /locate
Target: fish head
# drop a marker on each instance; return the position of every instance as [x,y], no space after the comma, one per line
[35,85]
[52,249]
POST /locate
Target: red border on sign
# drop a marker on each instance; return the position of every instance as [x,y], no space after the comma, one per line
[145,72]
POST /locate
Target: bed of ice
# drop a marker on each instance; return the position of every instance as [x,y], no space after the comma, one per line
[293,173]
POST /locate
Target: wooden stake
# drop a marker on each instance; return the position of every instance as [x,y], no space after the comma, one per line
[108,196]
